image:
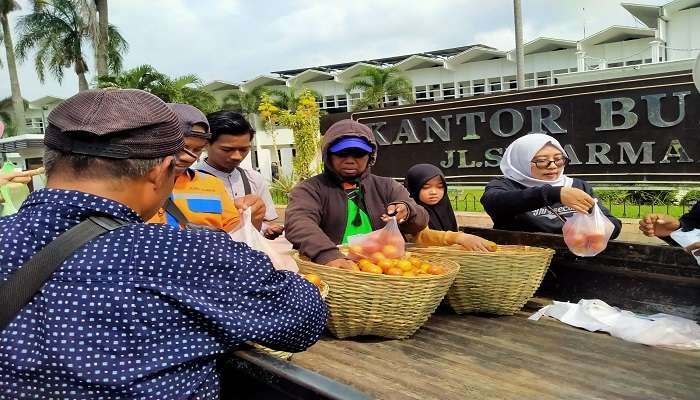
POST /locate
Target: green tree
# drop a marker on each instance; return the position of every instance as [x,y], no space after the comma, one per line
[18,107]
[288,99]
[7,117]
[58,30]
[305,124]
[378,83]
[183,89]
[246,103]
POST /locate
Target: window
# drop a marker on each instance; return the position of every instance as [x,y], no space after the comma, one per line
[434,91]
[342,100]
[529,80]
[421,94]
[391,100]
[615,64]
[511,82]
[543,78]
[36,123]
[464,89]
[495,84]
[560,71]
[633,62]
[573,69]
[479,87]
[319,102]
[648,60]
[330,101]
[448,90]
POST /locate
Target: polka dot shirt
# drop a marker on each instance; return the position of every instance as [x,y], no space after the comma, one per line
[141,312]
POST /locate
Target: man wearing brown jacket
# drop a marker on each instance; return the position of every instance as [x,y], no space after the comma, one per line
[346,199]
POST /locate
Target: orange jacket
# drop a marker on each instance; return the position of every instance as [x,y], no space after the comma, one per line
[203,199]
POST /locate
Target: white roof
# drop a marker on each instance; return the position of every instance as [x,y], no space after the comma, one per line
[476,53]
[311,75]
[417,61]
[618,33]
[262,80]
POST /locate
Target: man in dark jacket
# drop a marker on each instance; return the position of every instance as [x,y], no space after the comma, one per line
[346,199]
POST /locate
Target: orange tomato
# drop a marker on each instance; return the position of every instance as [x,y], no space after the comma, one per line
[364,261]
[405,265]
[378,256]
[396,271]
[313,278]
[356,268]
[436,270]
[390,251]
[355,249]
[373,269]
[409,274]
[385,264]
[424,268]
[415,261]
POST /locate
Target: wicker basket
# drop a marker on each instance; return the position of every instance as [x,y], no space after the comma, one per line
[284,354]
[380,305]
[495,283]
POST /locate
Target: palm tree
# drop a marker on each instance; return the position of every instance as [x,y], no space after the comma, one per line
[6,7]
[183,89]
[6,117]
[58,29]
[378,83]
[243,102]
[289,99]
[101,56]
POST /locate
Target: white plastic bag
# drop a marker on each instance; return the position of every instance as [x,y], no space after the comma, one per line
[382,243]
[685,239]
[588,234]
[654,330]
[253,238]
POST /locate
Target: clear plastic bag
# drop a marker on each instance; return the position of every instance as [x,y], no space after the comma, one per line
[253,238]
[380,244]
[586,235]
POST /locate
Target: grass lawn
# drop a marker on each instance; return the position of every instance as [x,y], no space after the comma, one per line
[467,199]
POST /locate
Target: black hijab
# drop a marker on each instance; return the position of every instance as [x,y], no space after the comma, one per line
[442,217]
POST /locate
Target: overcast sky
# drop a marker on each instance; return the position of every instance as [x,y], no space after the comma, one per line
[237,40]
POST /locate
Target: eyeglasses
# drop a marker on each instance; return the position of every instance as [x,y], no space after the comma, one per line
[544,164]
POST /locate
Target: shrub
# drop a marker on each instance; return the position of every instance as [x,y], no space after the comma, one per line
[691,198]
[614,196]
[652,196]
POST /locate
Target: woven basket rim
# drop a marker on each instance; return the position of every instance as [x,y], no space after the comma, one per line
[502,249]
[451,268]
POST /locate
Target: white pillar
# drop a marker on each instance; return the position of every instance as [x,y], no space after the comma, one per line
[655,46]
[581,60]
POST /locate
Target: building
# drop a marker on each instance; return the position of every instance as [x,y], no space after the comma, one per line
[668,41]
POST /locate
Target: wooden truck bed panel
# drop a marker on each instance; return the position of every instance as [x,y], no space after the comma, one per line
[458,357]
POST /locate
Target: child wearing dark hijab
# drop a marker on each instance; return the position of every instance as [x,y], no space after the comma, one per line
[427,186]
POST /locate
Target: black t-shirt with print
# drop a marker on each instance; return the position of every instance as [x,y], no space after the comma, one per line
[515,207]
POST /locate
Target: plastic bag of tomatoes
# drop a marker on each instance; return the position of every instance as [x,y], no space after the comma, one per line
[378,245]
[586,235]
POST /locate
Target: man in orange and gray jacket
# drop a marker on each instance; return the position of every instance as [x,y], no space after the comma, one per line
[346,199]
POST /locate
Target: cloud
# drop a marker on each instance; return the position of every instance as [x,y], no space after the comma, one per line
[237,40]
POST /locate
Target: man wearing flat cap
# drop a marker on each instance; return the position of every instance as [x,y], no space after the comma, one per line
[199,200]
[143,310]
[346,199]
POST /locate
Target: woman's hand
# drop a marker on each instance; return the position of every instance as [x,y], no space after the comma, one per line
[399,210]
[576,199]
[475,243]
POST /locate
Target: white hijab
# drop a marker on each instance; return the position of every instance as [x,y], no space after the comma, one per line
[516,161]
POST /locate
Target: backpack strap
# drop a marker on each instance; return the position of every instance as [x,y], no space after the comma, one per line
[20,287]
[246,182]
[172,209]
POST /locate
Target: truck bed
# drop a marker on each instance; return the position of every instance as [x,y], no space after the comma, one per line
[483,357]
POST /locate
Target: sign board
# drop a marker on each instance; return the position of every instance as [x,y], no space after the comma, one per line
[638,129]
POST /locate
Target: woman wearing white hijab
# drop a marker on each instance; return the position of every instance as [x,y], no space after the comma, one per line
[534,189]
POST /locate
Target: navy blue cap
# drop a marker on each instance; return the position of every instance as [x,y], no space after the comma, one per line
[351,143]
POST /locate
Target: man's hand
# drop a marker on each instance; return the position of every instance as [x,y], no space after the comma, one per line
[576,199]
[256,205]
[272,231]
[660,225]
[694,249]
[342,263]
[20,176]
[399,210]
